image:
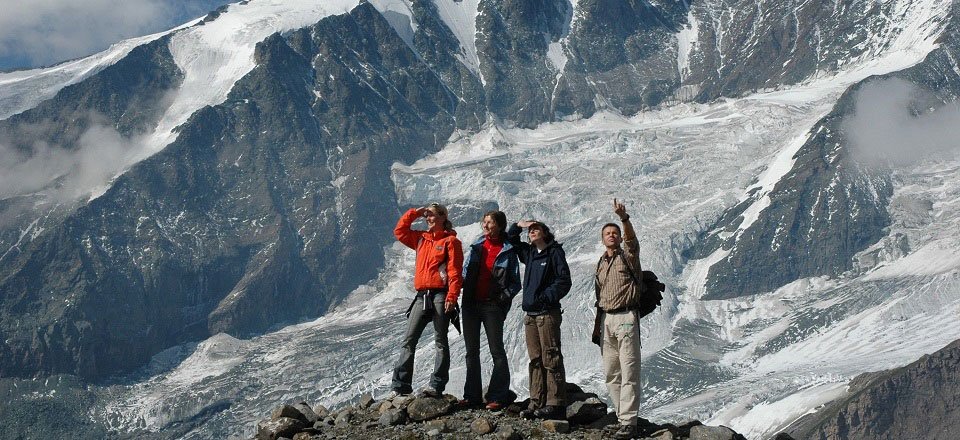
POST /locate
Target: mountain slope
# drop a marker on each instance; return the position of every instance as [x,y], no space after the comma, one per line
[918,401]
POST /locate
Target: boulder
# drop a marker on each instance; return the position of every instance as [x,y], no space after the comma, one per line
[366,400]
[426,408]
[385,406]
[482,426]
[281,427]
[701,432]
[507,433]
[558,426]
[289,411]
[662,434]
[321,411]
[343,418]
[392,417]
[587,411]
[439,425]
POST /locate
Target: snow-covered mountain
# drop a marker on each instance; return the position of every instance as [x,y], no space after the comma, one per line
[173,202]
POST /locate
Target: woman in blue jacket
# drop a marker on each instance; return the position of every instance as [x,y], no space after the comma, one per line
[491,279]
[546,280]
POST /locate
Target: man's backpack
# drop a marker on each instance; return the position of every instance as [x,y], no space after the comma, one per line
[651,292]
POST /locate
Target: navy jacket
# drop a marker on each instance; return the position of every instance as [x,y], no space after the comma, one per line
[506,272]
[546,276]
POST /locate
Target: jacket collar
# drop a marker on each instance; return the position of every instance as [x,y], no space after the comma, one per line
[479,242]
[439,235]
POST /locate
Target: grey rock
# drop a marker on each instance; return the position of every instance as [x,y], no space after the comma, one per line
[585,412]
[385,406]
[308,413]
[482,425]
[343,418]
[439,425]
[662,434]
[559,426]
[393,417]
[426,408]
[507,433]
[321,411]
[366,400]
[702,432]
[281,427]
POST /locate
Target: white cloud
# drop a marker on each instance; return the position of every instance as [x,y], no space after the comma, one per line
[40,32]
[63,175]
[897,123]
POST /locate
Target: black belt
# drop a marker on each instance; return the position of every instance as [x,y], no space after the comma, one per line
[425,294]
[620,310]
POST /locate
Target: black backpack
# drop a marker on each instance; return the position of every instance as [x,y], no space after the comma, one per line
[651,293]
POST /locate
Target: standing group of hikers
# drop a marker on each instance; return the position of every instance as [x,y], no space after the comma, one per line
[489,279]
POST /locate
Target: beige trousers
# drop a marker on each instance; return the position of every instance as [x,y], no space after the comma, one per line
[621,363]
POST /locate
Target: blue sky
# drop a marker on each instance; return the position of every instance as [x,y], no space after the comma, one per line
[37,33]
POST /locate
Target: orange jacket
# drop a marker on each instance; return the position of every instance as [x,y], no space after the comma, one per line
[433,250]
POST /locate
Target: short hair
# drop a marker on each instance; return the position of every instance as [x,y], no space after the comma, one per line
[499,218]
[609,225]
[547,235]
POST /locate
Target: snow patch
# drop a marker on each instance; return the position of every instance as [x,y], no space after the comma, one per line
[686,43]
[399,13]
[461,18]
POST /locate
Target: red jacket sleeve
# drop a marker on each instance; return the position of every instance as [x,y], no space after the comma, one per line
[404,233]
[454,269]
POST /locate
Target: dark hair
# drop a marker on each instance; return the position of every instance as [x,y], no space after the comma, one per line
[547,235]
[499,218]
[609,225]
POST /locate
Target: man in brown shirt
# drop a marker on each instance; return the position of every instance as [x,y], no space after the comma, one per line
[618,296]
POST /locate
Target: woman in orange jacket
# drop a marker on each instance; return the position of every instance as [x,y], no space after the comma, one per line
[438,282]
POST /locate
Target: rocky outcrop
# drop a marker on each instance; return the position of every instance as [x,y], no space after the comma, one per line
[412,417]
[918,401]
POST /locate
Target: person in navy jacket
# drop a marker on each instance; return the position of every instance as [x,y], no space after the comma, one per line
[546,280]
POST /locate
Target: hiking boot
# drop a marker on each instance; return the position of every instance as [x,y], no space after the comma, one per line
[394,394]
[625,432]
[528,413]
[468,404]
[430,392]
[495,406]
[550,412]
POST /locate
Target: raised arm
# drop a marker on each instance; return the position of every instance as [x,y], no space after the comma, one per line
[513,236]
[404,233]
[631,246]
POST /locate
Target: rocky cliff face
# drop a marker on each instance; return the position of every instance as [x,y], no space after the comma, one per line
[918,401]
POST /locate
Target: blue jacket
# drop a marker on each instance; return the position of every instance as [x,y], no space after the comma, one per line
[506,272]
[546,276]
